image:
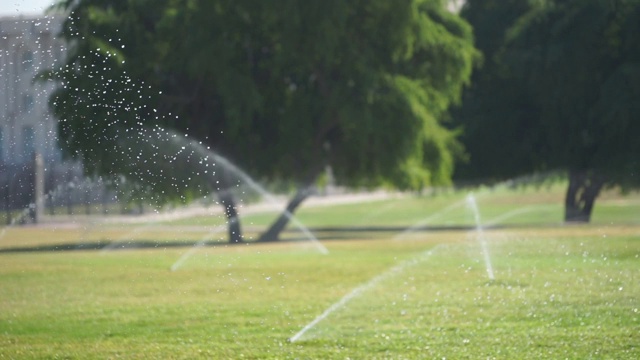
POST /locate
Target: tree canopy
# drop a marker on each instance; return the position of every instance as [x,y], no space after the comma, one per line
[496,112]
[561,93]
[281,89]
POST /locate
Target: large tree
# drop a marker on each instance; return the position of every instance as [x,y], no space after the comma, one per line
[495,113]
[562,95]
[282,89]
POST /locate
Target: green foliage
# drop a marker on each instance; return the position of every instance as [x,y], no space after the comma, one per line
[559,92]
[282,91]
[568,55]
[495,113]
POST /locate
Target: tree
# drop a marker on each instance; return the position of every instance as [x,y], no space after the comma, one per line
[282,91]
[496,112]
[572,68]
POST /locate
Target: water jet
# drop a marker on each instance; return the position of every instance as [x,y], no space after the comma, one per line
[473,206]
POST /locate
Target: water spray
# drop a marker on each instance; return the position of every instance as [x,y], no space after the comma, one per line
[224,162]
[471,202]
[196,247]
[360,289]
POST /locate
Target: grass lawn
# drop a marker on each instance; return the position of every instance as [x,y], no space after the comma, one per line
[559,291]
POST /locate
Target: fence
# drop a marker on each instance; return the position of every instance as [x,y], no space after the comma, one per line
[67,191]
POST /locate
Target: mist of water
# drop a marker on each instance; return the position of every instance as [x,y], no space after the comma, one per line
[196,247]
[473,206]
[25,213]
[127,236]
[249,181]
[499,219]
[17,220]
[429,219]
[374,281]
[362,288]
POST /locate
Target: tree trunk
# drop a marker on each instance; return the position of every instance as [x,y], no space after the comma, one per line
[228,202]
[231,212]
[273,233]
[584,188]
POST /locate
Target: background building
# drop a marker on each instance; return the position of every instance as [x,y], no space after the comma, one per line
[28,46]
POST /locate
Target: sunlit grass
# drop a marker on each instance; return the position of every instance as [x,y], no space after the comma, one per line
[528,206]
[559,291]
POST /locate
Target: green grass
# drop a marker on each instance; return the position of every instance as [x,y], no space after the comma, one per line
[540,207]
[560,291]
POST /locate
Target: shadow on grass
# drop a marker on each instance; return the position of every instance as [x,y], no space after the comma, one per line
[290,235]
[102,245]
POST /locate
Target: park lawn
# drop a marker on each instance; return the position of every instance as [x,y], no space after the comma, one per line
[529,207]
[500,206]
[417,289]
[559,292]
